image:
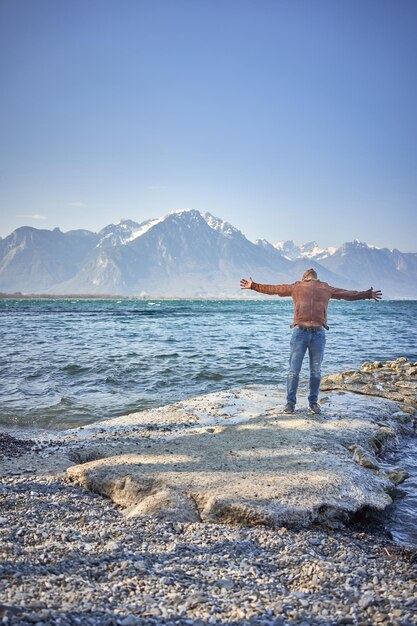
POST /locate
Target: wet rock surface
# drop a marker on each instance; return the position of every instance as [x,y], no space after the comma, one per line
[245,462]
[13,446]
[394,380]
[271,470]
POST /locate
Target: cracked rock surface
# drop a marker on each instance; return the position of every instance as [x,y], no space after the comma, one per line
[233,457]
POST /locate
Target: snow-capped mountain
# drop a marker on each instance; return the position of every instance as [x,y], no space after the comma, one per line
[309,250]
[126,231]
[186,253]
[179,255]
[123,232]
[222,227]
[393,271]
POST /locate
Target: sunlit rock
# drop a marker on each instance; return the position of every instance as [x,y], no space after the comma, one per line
[234,458]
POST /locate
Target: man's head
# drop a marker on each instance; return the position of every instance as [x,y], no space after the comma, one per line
[310,274]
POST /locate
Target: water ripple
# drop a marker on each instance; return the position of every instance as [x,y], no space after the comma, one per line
[115,357]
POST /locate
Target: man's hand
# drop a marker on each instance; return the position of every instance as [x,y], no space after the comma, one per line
[376,295]
[246,284]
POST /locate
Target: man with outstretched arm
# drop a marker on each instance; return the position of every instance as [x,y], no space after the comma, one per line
[311,297]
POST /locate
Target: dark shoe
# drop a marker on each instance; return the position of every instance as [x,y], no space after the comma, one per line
[315,408]
[288,408]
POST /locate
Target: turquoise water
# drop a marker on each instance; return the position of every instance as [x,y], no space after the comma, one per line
[64,363]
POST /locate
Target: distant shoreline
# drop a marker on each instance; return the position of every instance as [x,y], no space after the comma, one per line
[42,296]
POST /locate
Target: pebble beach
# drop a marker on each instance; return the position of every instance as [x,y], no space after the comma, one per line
[70,557]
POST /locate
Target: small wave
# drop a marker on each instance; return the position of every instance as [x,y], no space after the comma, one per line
[166,355]
[208,376]
[34,375]
[73,368]
[64,401]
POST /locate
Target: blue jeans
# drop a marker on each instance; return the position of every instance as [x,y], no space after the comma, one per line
[302,340]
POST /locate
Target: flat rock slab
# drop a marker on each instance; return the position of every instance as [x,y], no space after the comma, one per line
[233,457]
[394,380]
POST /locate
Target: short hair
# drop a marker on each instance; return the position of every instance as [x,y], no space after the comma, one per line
[310,272]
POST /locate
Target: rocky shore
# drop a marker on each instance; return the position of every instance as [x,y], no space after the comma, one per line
[217,510]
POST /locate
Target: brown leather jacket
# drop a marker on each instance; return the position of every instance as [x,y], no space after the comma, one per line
[311,298]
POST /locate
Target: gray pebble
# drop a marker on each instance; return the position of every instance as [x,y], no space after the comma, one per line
[130,620]
[145,572]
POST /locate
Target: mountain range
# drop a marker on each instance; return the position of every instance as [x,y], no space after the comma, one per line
[187,254]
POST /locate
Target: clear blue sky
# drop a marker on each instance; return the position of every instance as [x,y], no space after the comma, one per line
[292,119]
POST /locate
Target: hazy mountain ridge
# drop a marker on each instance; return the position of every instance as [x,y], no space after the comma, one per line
[187,253]
[31,259]
[309,250]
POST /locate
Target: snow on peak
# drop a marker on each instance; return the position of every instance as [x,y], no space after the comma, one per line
[309,250]
[225,228]
[362,244]
[126,224]
[143,228]
[329,251]
[123,232]
[288,249]
[280,245]
[263,243]
[357,243]
[126,231]
[181,211]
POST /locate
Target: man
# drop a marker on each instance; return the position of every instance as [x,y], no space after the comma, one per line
[311,297]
